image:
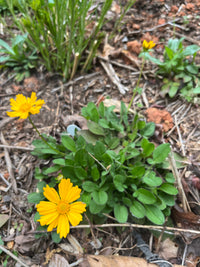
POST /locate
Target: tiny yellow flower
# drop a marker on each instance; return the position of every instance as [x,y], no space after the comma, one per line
[59,211]
[148,45]
[22,107]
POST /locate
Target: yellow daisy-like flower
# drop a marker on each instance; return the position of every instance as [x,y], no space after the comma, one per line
[22,107]
[148,45]
[59,211]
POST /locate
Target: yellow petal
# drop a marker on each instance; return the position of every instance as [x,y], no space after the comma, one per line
[64,188]
[49,218]
[74,218]
[78,207]
[51,194]
[63,226]
[52,225]
[45,207]
[73,194]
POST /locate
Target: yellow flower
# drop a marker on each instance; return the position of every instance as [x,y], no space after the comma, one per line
[22,106]
[148,45]
[59,211]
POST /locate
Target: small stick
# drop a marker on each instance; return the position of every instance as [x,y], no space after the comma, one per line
[9,165]
[113,76]
[180,137]
[12,255]
[16,147]
[186,206]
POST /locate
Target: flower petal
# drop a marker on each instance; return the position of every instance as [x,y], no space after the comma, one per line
[63,225]
[49,218]
[46,207]
[51,194]
[74,215]
[64,188]
[52,225]
[73,194]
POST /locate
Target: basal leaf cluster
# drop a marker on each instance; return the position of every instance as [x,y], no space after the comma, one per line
[119,169]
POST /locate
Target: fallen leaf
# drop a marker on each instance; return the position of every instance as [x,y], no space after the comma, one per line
[3,219]
[168,249]
[118,261]
[134,47]
[58,261]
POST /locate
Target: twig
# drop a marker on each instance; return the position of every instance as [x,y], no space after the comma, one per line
[12,255]
[151,227]
[5,121]
[113,77]
[84,77]
[189,39]
[17,147]
[186,206]
[180,137]
[6,182]
[9,165]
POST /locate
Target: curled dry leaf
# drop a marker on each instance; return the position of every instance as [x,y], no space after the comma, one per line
[119,261]
[168,249]
[160,116]
[58,261]
[75,119]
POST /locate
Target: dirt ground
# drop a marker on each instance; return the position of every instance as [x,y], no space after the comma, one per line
[180,120]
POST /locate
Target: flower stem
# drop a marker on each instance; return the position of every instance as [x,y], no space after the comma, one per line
[138,82]
[43,139]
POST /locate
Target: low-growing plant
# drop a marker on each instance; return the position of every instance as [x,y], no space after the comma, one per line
[179,70]
[62,31]
[119,170]
[18,56]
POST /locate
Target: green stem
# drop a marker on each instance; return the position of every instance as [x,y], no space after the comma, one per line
[43,139]
[138,81]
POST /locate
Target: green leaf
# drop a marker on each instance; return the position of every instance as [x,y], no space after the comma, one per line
[54,168]
[168,199]
[151,179]
[1,243]
[196,90]
[154,214]
[169,177]
[3,219]
[192,69]
[59,162]
[147,147]
[95,208]
[100,197]
[119,182]
[145,196]
[148,130]
[90,186]
[137,209]
[80,172]
[35,197]
[86,198]
[95,173]
[169,189]
[121,213]
[88,136]
[161,152]
[173,89]
[41,185]
[68,142]
[95,128]
[137,172]
[190,50]
[55,237]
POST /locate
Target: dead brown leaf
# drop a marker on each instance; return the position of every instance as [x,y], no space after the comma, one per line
[118,261]
[134,47]
[168,249]
[58,261]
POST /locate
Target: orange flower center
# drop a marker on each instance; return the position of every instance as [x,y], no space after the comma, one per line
[25,107]
[63,207]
